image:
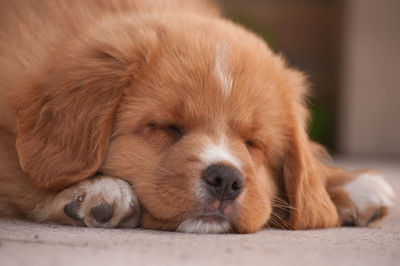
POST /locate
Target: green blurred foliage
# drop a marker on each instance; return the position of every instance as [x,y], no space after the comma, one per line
[320,128]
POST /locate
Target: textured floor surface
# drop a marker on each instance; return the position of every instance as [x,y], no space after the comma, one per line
[24,243]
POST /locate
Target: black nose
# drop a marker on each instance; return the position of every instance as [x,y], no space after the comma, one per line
[223,182]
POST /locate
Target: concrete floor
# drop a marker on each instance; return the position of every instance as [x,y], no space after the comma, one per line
[25,243]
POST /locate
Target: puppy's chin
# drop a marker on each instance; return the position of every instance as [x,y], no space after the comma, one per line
[204,226]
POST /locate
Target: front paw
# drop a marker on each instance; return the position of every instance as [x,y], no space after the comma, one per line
[103,202]
[369,198]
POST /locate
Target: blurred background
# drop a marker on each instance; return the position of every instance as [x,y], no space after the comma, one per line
[350,49]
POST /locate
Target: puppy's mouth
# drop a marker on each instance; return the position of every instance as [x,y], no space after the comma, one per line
[206,223]
[217,202]
[212,219]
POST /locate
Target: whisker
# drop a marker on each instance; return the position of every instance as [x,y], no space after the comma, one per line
[281,221]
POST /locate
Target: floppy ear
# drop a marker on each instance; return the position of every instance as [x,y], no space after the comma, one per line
[303,172]
[305,183]
[64,120]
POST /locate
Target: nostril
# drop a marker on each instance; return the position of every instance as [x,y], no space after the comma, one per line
[218,182]
[236,186]
[214,181]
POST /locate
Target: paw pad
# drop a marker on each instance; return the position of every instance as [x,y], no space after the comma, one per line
[71,210]
[102,213]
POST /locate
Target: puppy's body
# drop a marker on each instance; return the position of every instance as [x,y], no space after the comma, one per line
[204,121]
[33,33]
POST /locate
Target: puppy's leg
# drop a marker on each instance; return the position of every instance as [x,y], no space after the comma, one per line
[361,197]
[101,201]
[98,202]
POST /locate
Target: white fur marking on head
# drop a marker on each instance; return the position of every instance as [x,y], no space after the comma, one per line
[221,69]
[201,227]
[369,190]
[214,153]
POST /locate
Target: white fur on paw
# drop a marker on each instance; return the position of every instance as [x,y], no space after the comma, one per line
[370,194]
[113,198]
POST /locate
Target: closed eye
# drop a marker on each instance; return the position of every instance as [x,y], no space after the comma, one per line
[171,129]
[174,129]
[254,144]
[249,143]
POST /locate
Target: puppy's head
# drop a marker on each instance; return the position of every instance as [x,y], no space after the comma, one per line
[199,115]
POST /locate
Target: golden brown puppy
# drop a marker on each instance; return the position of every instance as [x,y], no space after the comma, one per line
[193,112]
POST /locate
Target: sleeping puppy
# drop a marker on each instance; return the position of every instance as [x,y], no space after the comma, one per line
[115,113]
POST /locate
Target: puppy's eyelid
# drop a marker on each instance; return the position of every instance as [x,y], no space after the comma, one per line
[170,127]
[152,125]
[252,143]
[175,129]
[249,143]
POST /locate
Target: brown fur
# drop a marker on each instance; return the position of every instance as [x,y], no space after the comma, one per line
[85,85]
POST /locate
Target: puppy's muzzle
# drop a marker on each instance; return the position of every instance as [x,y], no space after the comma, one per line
[223,182]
